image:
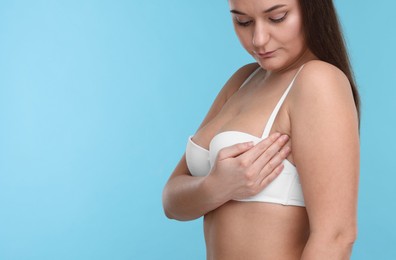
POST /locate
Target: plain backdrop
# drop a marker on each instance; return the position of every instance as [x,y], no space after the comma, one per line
[97,99]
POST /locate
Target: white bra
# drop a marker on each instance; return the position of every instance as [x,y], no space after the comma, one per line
[285,189]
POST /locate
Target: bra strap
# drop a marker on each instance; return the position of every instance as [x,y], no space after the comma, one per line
[271,120]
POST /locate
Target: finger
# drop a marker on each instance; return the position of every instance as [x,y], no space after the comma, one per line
[234,150]
[267,147]
[258,149]
[271,177]
[265,166]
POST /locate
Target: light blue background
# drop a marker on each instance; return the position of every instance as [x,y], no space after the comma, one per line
[97,99]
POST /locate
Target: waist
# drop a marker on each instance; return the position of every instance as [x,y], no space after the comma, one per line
[256,230]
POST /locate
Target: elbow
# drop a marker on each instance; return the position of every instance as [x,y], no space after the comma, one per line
[347,236]
[165,206]
[168,214]
[169,209]
[176,216]
[339,237]
[179,217]
[166,209]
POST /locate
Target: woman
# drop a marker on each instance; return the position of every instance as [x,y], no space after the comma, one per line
[301,86]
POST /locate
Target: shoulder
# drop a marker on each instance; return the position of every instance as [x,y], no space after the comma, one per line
[238,77]
[321,90]
[319,78]
[320,83]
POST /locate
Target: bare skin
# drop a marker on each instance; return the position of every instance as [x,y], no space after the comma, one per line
[255,230]
[321,120]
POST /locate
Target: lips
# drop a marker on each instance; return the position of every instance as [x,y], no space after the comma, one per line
[265,54]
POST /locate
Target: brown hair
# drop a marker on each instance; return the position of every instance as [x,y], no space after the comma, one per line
[324,38]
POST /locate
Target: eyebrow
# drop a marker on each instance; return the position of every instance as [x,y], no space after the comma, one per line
[266,11]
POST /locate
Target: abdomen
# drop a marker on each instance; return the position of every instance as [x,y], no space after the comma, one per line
[256,230]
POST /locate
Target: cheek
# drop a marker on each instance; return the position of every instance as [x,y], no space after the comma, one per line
[293,33]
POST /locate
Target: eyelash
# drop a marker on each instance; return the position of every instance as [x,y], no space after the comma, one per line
[279,20]
[245,24]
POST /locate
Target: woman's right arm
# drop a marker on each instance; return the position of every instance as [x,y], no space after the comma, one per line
[240,170]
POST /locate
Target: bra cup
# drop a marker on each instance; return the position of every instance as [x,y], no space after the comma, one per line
[197,159]
[226,139]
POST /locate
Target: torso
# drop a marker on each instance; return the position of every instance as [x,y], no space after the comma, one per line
[254,230]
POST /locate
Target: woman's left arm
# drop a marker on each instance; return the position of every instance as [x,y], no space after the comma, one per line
[325,147]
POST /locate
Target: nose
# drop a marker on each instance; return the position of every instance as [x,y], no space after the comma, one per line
[260,36]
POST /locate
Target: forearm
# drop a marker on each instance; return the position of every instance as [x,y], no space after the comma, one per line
[335,247]
[187,198]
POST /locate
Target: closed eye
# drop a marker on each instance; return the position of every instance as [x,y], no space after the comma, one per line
[242,23]
[278,19]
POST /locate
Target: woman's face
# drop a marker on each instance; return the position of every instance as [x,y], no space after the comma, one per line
[270,30]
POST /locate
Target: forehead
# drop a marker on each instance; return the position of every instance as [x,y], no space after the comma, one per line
[260,5]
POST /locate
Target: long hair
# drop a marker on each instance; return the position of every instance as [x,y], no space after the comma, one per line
[324,38]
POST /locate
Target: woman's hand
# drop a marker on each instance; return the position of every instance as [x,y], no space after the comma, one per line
[243,170]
